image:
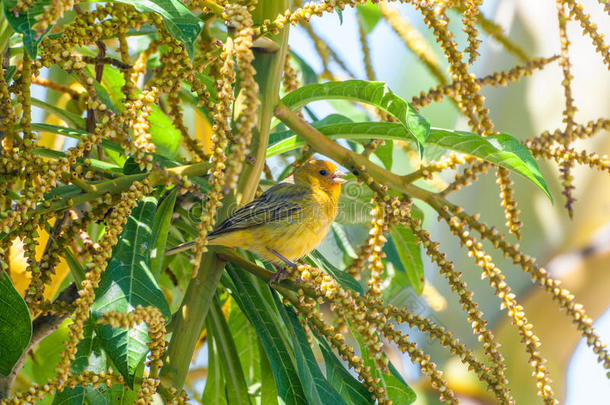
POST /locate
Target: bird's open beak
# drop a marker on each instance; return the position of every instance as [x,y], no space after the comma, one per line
[337,177]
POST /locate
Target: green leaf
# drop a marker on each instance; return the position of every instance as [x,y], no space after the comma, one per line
[255,307]
[385,153]
[237,391]
[23,23]
[10,72]
[72,119]
[89,357]
[375,93]
[409,252]
[344,382]
[214,391]
[181,23]
[276,138]
[309,76]
[369,15]
[160,230]
[268,388]
[339,14]
[503,150]
[317,389]
[246,343]
[125,284]
[164,135]
[15,325]
[118,394]
[74,133]
[344,278]
[396,387]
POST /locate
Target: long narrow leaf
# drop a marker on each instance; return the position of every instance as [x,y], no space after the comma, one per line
[160,231]
[354,392]
[252,304]
[237,391]
[317,389]
[126,284]
[375,93]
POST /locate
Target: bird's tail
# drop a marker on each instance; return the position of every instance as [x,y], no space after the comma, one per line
[186,246]
[180,248]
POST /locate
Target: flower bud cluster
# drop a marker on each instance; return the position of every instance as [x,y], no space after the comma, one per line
[471,13]
[469,100]
[495,79]
[376,241]
[52,13]
[247,119]
[507,200]
[414,40]
[475,317]
[307,308]
[576,11]
[114,225]
[290,79]
[38,391]
[224,70]
[303,14]
[541,276]
[509,302]
[157,345]
[446,339]
[467,177]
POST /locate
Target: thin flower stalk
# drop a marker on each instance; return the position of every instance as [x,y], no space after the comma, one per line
[538,274]
[508,302]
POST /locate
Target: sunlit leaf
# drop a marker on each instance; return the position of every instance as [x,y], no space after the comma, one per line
[501,149]
[160,230]
[369,16]
[409,252]
[23,23]
[254,306]
[375,93]
[317,389]
[181,23]
[214,391]
[350,389]
[237,391]
[126,284]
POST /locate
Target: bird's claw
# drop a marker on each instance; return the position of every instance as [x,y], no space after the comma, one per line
[279,276]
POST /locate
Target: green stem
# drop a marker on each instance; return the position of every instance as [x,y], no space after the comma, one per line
[347,158]
[191,315]
[121,184]
[214,7]
[269,66]
[229,255]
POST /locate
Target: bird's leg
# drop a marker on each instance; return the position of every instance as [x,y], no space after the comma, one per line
[280,273]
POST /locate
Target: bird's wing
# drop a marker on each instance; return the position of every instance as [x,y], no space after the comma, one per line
[277,203]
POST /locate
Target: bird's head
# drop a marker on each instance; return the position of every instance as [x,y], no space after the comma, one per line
[321,173]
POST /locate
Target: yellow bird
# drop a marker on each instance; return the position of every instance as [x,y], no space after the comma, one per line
[288,220]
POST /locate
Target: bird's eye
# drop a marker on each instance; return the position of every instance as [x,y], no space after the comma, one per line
[323,172]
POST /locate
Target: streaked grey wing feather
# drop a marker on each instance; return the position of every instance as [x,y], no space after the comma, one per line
[275,204]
